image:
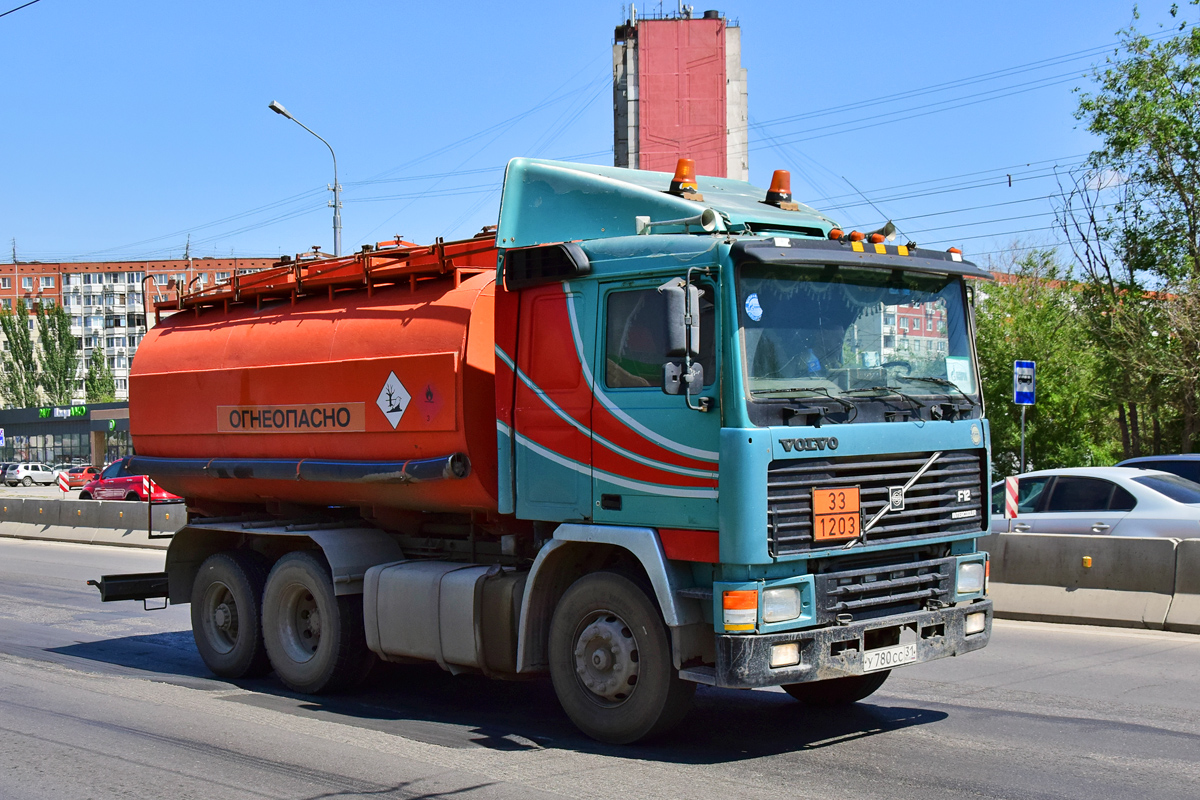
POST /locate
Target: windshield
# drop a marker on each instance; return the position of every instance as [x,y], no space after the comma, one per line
[850,332]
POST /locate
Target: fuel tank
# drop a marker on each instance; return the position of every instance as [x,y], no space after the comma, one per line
[381,397]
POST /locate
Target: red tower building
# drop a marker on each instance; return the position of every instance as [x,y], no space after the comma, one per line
[679,90]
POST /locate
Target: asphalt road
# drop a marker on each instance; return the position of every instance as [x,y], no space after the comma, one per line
[105,701]
[38,491]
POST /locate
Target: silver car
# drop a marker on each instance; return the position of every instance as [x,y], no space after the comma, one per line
[1113,501]
[27,474]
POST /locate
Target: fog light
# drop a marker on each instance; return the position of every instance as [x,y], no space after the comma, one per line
[974,623]
[785,655]
[781,604]
[970,577]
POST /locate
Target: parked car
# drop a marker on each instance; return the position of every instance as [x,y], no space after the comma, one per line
[1113,501]
[1185,465]
[28,473]
[78,476]
[116,482]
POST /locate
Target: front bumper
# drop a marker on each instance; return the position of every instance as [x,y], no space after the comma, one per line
[744,662]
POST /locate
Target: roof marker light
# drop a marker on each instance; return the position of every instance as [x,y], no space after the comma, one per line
[780,193]
[877,238]
[683,184]
[836,233]
[857,236]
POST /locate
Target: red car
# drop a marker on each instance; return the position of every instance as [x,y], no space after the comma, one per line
[79,476]
[116,482]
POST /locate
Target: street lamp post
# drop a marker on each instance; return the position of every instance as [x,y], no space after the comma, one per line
[337,190]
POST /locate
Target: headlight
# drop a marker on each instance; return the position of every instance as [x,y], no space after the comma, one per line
[970,577]
[781,604]
[974,623]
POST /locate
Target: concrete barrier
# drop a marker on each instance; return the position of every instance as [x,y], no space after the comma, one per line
[111,522]
[1185,607]
[1045,577]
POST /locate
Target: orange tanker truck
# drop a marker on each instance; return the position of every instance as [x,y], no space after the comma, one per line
[651,431]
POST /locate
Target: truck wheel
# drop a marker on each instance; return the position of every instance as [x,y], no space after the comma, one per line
[132,496]
[610,661]
[837,691]
[315,639]
[227,613]
[85,496]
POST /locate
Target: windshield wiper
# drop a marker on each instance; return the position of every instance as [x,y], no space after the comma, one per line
[887,390]
[941,382]
[817,390]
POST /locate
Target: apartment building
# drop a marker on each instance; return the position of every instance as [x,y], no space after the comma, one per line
[108,300]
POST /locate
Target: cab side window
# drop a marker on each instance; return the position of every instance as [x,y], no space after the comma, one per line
[635,344]
[112,470]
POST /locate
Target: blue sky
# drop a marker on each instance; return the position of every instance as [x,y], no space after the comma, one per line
[127,125]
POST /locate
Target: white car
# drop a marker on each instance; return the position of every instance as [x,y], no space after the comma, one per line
[1112,501]
[28,474]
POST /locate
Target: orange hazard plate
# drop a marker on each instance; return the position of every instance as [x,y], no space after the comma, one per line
[836,514]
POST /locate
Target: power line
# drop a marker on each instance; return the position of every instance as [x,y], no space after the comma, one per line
[957,83]
[18,8]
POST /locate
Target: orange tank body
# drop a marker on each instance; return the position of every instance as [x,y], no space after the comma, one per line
[403,371]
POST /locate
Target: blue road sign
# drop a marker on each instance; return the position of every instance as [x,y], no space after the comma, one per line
[1024,382]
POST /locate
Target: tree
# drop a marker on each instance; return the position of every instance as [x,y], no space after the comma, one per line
[99,384]
[59,358]
[1031,313]
[1132,218]
[19,381]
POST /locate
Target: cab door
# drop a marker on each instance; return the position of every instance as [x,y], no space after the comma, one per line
[552,403]
[654,458]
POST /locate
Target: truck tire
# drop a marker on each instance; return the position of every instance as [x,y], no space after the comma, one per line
[610,661]
[227,613]
[315,639]
[837,691]
[85,495]
[133,497]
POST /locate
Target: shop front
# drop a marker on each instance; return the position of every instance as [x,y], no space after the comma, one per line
[96,433]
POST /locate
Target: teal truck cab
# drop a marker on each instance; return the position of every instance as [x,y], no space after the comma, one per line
[781,421]
[654,431]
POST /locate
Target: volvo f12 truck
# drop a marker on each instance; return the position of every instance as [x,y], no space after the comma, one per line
[650,431]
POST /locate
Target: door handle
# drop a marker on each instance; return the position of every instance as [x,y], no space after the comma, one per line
[1020,526]
[1100,527]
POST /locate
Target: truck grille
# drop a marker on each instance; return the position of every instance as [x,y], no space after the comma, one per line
[882,590]
[929,505]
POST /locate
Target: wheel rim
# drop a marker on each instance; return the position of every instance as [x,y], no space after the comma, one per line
[299,623]
[606,658]
[220,617]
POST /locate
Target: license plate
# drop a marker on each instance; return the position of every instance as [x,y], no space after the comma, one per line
[888,657]
[836,513]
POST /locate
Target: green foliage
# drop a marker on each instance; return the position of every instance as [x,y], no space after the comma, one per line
[1033,316]
[99,384]
[19,382]
[59,358]
[1132,218]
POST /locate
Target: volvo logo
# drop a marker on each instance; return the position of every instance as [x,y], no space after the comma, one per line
[819,443]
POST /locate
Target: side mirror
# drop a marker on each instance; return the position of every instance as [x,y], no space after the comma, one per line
[677,378]
[683,318]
